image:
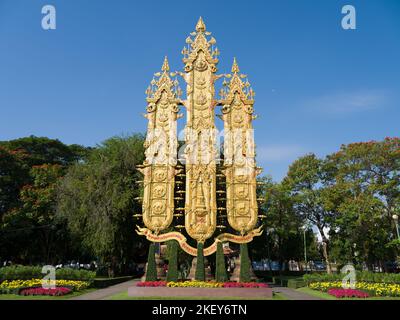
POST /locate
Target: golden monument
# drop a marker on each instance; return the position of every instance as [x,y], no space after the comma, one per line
[192,187]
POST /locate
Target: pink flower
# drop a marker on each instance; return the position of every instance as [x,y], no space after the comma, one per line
[60,291]
[347,293]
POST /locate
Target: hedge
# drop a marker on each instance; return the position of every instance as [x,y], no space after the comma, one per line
[151,271]
[172,274]
[19,272]
[245,263]
[200,271]
[364,276]
[220,273]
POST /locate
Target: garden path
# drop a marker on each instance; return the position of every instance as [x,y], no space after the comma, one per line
[292,294]
[107,292]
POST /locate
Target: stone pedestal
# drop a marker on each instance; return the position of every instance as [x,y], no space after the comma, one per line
[209,276]
[192,273]
[236,272]
[161,274]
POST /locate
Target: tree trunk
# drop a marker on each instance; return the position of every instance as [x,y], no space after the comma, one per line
[326,256]
[325,242]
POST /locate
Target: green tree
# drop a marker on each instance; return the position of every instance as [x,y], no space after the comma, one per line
[282,226]
[221,274]
[97,199]
[200,271]
[306,179]
[172,274]
[365,195]
[43,150]
[29,171]
[151,271]
[245,263]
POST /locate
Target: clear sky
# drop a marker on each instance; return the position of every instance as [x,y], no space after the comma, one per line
[317,85]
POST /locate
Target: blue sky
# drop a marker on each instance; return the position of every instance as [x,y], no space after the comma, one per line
[317,86]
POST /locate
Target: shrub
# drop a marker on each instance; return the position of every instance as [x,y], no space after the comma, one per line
[364,276]
[172,274]
[220,274]
[19,272]
[200,272]
[244,263]
[151,271]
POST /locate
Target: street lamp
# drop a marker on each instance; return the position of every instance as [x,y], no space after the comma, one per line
[396,222]
[305,246]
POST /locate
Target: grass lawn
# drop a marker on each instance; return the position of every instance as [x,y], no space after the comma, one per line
[316,293]
[326,296]
[66,297]
[124,296]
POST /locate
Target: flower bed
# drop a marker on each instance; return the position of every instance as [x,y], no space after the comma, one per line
[347,293]
[373,289]
[152,284]
[244,285]
[60,291]
[201,284]
[14,285]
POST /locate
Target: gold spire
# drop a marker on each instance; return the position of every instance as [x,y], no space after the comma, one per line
[235,67]
[165,66]
[200,26]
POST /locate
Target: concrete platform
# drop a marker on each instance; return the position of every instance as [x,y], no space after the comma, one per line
[200,292]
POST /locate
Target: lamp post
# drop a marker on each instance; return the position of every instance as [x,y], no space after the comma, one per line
[396,222]
[305,246]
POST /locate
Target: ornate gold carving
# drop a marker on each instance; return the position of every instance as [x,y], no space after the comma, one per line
[200,57]
[200,202]
[159,168]
[239,154]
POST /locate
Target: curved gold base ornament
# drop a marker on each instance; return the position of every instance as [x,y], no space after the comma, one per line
[182,240]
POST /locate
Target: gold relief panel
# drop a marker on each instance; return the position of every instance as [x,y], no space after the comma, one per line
[158,196]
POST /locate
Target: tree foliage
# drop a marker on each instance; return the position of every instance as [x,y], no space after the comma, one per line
[200,270]
[30,169]
[151,270]
[245,264]
[221,274]
[97,199]
[172,274]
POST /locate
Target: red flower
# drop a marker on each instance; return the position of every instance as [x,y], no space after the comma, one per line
[347,293]
[152,284]
[60,291]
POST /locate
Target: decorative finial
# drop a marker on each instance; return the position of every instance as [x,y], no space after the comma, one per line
[200,26]
[235,67]
[165,66]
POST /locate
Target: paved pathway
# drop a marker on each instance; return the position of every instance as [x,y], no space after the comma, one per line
[103,294]
[292,294]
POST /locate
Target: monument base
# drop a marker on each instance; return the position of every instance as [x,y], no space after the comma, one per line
[236,272]
[263,293]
